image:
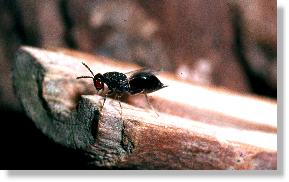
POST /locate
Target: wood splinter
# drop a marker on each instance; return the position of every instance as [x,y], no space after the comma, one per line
[198,128]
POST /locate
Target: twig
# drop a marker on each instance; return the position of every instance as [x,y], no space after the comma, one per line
[198,128]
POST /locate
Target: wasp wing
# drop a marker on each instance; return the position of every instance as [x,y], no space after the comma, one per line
[142,70]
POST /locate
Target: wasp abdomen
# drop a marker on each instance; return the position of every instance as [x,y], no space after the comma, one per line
[144,82]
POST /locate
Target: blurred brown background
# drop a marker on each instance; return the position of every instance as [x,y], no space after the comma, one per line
[232,44]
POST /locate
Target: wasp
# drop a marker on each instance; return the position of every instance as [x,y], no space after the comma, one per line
[141,81]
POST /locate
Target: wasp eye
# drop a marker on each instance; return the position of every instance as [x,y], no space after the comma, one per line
[98,85]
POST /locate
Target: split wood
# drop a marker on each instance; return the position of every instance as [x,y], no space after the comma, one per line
[198,127]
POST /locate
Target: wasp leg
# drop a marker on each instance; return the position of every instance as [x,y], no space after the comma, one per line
[151,107]
[104,98]
[117,97]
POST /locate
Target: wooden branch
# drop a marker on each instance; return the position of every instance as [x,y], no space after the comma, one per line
[198,128]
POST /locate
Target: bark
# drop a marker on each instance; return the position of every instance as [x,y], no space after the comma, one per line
[197,127]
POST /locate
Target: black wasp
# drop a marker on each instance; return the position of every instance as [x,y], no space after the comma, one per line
[140,82]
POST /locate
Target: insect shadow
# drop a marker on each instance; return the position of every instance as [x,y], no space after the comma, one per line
[142,81]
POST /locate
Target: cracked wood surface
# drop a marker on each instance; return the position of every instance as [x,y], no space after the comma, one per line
[198,128]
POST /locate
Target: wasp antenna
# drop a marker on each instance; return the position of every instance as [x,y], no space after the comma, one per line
[88,68]
[79,77]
